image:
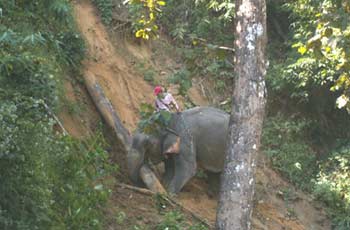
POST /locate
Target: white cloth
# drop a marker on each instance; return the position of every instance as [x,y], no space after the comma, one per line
[164,104]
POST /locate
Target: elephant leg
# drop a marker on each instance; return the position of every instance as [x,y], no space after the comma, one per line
[169,165]
[184,169]
[214,183]
[185,164]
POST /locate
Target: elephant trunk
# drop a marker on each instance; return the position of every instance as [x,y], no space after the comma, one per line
[135,159]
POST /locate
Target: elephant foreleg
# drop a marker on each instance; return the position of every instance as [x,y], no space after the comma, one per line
[169,165]
[184,170]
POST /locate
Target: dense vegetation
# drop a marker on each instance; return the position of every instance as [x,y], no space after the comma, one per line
[48,181]
[306,135]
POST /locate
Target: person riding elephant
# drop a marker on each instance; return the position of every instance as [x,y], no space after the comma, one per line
[195,135]
[164,100]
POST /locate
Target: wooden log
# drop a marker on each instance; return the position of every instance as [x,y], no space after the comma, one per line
[136,189]
[150,180]
[106,109]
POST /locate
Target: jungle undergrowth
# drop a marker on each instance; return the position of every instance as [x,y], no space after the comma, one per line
[50,181]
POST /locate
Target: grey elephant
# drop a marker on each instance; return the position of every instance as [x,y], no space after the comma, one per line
[196,135]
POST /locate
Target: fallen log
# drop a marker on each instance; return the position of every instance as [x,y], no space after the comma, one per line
[106,109]
[136,189]
[150,180]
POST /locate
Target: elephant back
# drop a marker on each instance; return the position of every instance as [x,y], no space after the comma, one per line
[207,128]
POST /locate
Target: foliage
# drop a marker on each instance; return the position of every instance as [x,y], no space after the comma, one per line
[284,142]
[145,14]
[322,38]
[106,9]
[149,75]
[205,19]
[174,220]
[36,192]
[333,186]
[47,181]
[200,30]
[25,191]
[182,78]
[147,71]
[78,196]
[151,121]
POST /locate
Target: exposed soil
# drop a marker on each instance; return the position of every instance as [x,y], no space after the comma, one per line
[113,61]
[123,87]
[78,114]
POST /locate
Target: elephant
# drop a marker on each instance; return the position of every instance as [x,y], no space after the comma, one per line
[194,136]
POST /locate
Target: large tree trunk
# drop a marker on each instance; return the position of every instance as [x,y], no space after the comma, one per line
[248,103]
[106,109]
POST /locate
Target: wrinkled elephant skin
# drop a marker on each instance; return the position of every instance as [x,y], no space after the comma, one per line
[198,135]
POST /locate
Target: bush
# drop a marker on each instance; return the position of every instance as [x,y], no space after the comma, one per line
[174,220]
[106,10]
[332,187]
[47,181]
[284,142]
[152,122]
[183,78]
[25,191]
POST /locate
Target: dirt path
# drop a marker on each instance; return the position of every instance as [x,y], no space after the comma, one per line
[127,90]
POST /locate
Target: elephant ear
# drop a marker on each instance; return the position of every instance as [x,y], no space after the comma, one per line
[185,164]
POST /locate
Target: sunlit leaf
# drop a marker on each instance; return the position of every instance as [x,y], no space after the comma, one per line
[151,16]
[302,50]
[342,101]
[161,3]
[139,33]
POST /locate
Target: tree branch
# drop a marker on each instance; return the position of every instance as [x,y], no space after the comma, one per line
[169,200]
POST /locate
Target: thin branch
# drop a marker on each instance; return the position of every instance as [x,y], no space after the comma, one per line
[136,189]
[120,25]
[168,199]
[205,42]
[65,133]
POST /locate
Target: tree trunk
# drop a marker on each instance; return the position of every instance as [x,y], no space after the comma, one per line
[151,181]
[106,109]
[248,103]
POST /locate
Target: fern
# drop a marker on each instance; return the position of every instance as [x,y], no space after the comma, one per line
[61,9]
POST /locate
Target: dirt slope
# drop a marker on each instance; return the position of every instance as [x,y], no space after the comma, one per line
[126,89]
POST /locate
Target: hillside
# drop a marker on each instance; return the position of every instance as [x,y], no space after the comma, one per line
[115,61]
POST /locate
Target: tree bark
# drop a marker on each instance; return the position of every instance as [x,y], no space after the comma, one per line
[248,106]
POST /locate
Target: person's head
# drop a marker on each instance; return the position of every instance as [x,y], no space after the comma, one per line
[158,90]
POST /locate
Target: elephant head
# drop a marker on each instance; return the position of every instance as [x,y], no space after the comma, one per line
[173,141]
[141,143]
